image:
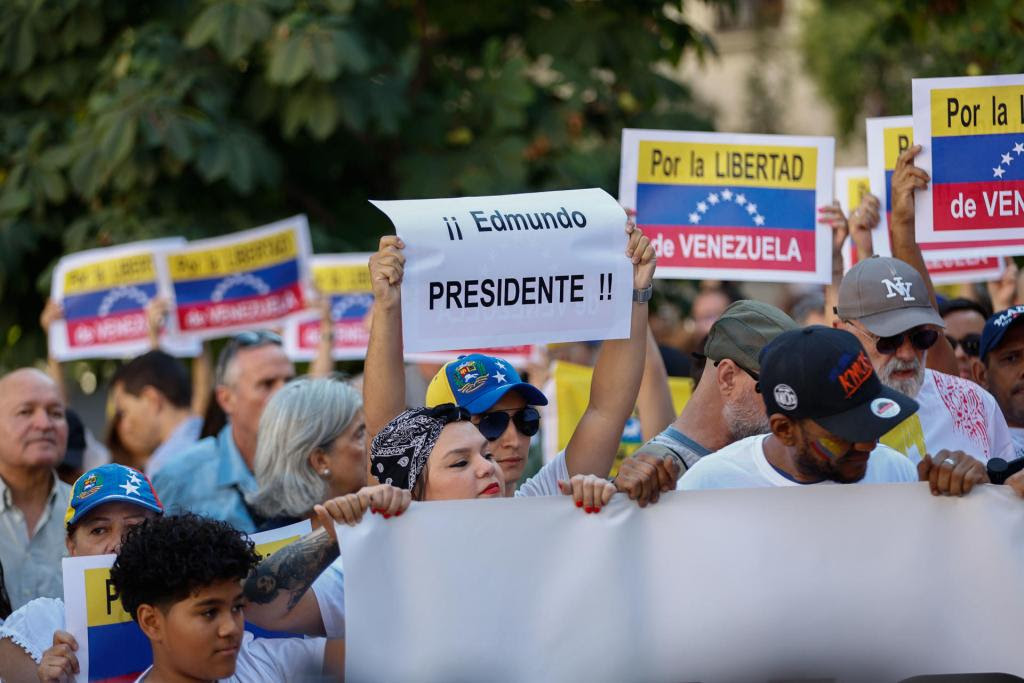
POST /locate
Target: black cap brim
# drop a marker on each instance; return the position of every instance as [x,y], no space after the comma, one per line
[872,419]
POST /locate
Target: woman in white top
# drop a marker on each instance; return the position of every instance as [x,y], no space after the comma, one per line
[423,454]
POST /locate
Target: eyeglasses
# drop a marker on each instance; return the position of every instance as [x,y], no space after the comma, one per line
[243,340]
[971,343]
[921,338]
[493,425]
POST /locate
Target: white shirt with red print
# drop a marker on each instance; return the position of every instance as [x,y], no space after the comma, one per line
[955,415]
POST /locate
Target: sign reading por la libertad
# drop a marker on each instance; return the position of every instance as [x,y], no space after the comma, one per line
[734,206]
[972,134]
[512,269]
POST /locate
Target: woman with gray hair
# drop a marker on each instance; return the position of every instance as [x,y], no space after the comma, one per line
[311,448]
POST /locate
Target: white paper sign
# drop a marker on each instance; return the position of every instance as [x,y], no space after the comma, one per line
[971,130]
[249,279]
[513,269]
[104,293]
[851,184]
[731,206]
[857,582]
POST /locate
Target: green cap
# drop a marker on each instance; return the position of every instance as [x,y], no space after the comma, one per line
[743,330]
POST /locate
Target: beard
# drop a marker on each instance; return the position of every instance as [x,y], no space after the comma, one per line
[824,470]
[909,387]
[743,420]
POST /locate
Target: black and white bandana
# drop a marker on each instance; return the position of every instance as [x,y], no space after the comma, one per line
[399,452]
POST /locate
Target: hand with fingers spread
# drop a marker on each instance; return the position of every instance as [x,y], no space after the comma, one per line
[862,221]
[588,491]
[59,664]
[951,473]
[645,477]
[387,266]
[906,178]
[641,253]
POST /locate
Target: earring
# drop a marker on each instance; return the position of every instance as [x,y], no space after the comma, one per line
[325,472]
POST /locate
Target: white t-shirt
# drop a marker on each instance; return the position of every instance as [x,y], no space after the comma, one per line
[272,660]
[743,465]
[955,415]
[545,482]
[31,626]
[1017,435]
[329,587]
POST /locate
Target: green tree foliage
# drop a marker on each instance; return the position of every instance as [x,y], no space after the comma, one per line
[863,53]
[130,120]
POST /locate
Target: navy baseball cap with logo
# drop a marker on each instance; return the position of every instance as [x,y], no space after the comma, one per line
[107,484]
[476,382]
[996,328]
[823,374]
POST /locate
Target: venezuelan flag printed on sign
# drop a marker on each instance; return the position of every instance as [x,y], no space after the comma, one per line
[895,135]
[971,130]
[344,279]
[243,280]
[105,301]
[743,204]
[117,646]
[103,294]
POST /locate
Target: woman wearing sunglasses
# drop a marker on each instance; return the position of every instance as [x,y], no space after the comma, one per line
[424,454]
[501,404]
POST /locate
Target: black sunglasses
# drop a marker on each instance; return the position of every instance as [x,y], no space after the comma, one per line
[971,343]
[921,338]
[493,425]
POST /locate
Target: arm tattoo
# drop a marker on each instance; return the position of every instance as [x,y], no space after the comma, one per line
[292,569]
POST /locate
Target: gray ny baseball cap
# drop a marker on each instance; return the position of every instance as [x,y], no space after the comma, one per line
[887,296]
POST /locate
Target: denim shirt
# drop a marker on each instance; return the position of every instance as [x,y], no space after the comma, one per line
[209,479]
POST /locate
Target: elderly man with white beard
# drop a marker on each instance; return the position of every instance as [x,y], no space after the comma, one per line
[885,303]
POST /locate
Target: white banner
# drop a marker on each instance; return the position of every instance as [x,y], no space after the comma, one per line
[856,582]
[512,269]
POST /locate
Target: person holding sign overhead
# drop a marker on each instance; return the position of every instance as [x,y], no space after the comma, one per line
[490,388]
[104,503]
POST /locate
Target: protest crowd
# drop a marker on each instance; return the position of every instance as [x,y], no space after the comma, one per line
[880,376]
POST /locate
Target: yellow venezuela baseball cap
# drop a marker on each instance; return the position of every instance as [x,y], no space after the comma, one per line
[476,382]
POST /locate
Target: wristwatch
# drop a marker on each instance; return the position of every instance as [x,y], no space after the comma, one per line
[642,296]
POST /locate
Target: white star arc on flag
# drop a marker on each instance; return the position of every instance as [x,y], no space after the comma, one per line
[726,195]
[1007,159]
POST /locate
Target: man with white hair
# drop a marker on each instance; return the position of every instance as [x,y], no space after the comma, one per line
[33,440]
[212,477]
[884,302]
